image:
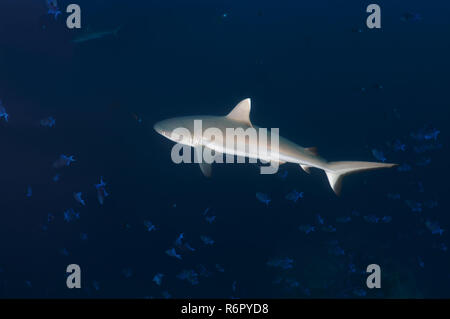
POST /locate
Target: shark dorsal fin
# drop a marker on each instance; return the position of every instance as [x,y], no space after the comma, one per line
[241,112]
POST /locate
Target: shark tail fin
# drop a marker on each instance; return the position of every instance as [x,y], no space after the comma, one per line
[337,170]
[116,31]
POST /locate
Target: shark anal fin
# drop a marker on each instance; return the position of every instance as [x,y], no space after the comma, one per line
[306,168]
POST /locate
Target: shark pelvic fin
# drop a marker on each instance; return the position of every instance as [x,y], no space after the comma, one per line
[241,112]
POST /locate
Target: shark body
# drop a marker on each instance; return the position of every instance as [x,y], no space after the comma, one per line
[96,35]
[286,152]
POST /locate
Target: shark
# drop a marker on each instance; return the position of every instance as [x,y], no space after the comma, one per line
[96,35]
[286,152]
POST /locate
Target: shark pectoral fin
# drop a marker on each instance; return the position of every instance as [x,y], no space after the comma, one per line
[306,168]
[206,169]
[198,158]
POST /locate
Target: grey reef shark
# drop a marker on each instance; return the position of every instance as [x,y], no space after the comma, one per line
[286,152]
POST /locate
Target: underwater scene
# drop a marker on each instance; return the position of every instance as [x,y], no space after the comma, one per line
[92,179]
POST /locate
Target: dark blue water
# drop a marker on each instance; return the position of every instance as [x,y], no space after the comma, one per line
[313,69]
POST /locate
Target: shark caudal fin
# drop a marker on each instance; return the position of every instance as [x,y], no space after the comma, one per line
[337,170]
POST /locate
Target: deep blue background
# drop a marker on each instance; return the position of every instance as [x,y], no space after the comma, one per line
[304,64]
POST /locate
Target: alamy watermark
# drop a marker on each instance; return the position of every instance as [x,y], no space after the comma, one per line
[74,278]
[213,145]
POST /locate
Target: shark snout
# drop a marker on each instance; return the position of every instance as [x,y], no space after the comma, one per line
[158,128]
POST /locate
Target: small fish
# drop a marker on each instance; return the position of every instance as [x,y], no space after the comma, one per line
[50,218]
[29,192]
[359,292]
[64,252]
[404,168]
[393,196]
[233,286]
[320,220]
[207,240]
[336,250]
[189,275]
[137,118]
[79,199]
[425,134]
[415,207]
[292,283]
[182,244]
[48,122]
[431,204]
[166,294]
[294,196]
[179,240]
[186,246]
[399,146]
[419,149]
[203,272]
[96,285]
[420,187]
[127,272]
[172,253]
[421,262]
[101,191]
[56,178]
[263,198]
[283,175]
[423,161]
[70,215]
[379,155]
[149,226]
[283,263]
[434,227]
[219,268]
[351,268]
[344,219]
[328,229]
[378,86]
[206,211]
[355,213]
[157,279]
[210,219]
[63,161]
[3,113]
[307,229]
[371,219]
[52,7]
[411,17]
[386,219]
